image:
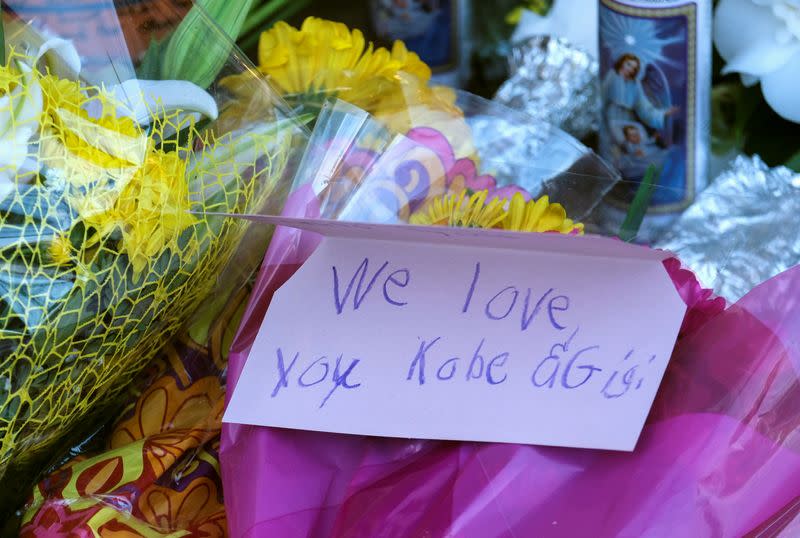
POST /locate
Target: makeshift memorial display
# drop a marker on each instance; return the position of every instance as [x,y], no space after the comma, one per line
[101,260]
[655,67]
[749,250]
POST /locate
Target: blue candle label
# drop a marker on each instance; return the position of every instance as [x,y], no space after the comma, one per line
[653,104]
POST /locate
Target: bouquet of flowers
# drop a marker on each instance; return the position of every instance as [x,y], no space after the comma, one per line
[717,453]
[107,246]
[717,450]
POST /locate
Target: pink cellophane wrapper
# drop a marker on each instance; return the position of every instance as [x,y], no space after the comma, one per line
[719,455]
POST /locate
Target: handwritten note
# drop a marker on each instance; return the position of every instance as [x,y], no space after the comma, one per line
[401,332]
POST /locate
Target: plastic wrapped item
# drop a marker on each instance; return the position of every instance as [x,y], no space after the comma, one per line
[718,457]
[325,484]
[101,260]
[323,60]
[363,171]
[159,472]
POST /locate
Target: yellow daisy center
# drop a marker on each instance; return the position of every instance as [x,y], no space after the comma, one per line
[515,215]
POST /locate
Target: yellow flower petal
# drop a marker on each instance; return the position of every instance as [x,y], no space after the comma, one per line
[515,214]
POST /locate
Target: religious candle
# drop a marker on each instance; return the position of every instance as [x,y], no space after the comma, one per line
[434,29]
[655,75]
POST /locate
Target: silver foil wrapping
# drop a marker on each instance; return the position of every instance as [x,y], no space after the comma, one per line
[742,230]
[554,82]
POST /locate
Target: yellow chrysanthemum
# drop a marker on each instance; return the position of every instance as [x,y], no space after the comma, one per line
[326,60]
[61,94]
[76,143]
[151,210]
[538,216]
[60,250]
[514,215]
[327,57]
[457,210]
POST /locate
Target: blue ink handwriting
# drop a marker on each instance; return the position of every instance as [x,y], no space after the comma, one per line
[316,372]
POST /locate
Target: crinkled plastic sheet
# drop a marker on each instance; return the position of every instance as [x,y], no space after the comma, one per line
[156,469]
[101,262]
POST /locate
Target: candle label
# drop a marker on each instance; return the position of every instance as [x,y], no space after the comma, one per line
[651,113]
[428,27]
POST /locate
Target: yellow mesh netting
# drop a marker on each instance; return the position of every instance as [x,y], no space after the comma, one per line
[100,260]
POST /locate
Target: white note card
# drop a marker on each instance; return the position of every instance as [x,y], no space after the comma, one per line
[467,335]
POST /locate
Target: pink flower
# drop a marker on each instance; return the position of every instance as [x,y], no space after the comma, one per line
[702,304]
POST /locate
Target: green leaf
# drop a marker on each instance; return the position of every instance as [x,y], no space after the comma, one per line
[151,63]
[262,17]
[794,162]
[641,201]
[199,48]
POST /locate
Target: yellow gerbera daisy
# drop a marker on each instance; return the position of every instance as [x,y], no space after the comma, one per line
[325,60]
[514,215]
[457,210]
[327,57]
[538,216]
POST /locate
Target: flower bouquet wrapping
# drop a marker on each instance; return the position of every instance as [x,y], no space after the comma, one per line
[107,176]
[356,169]
[718,454]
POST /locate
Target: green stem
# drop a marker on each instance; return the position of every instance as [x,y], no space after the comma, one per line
[638,210]
[794,162]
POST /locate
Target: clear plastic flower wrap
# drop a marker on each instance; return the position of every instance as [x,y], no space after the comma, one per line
[108,170]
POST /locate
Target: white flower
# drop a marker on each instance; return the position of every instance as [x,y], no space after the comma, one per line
[21,109]
[760,39]
[573,20]
[143,99]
